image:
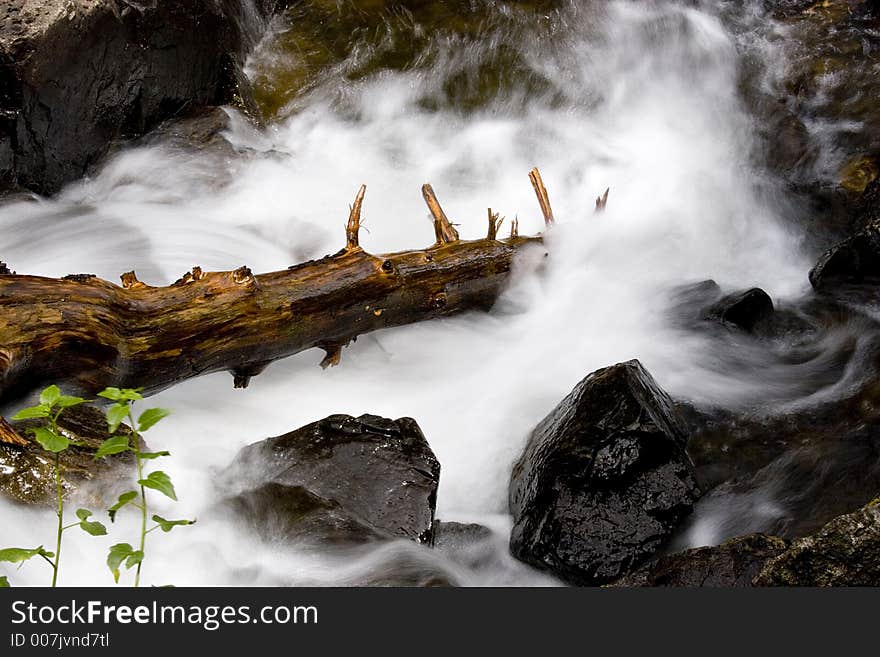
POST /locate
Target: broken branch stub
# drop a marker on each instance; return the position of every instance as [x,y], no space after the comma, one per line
[494,224]
[444,231]
[602,201]
[354,222]
[543,197]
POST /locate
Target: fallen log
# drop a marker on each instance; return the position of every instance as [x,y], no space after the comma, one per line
[88,333]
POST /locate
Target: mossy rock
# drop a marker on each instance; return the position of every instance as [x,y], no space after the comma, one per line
[322,40]
[845,552]
[27,471]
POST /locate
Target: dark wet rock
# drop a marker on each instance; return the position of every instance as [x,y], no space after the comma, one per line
[845,552]
[604,479]
[341,479]
[854,260]
[731,564]
[198,132]
[27,472]
[751,311]
[867,209]
[744,309]
[76,76]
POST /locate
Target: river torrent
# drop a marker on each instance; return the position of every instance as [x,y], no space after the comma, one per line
[642,98]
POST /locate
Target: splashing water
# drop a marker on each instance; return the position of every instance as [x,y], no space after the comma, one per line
[641,98]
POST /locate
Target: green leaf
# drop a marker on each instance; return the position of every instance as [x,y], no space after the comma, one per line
[168,525]
[66,401]
[153,455]
[115,415]
[31,412]
[50,395]
[161,482]
[132,394]
[18,555]
[51,441]
[4,583]
[117,554]
[124,394]
[150,416]
[111,393]
[134,559]
[124,499]
[113,445]
[93,528]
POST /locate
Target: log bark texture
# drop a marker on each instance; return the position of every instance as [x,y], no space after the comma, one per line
[89,333]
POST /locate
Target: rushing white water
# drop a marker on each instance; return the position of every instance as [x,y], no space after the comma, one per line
[644,101]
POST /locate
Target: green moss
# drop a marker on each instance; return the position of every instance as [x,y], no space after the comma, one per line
[349,41]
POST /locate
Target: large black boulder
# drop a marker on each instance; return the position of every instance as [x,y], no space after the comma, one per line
[339,480]
[77,75]
[604,479]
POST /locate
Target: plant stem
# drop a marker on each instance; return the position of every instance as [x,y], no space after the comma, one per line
[140,470]
[59,493]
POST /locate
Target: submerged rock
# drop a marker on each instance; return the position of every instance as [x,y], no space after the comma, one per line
[277,512]
[603,480]
[731,564]
[27,471]
[78,75]
[454,536]
[744,309]
[339,480]
[845,552]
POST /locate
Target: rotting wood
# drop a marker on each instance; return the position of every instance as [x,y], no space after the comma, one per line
[9,436]
[89,333]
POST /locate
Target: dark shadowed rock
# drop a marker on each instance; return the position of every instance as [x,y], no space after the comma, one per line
[199,132]
[27,471]
[702,306]
[603,480]
[341,479]
[744,309]
[78,75]
[845,552]
[731,564]
[854,260]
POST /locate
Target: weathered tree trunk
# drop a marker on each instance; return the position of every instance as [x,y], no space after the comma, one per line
[88,332]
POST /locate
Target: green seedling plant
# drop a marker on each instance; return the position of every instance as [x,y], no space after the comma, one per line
[117,413]
[52,439]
